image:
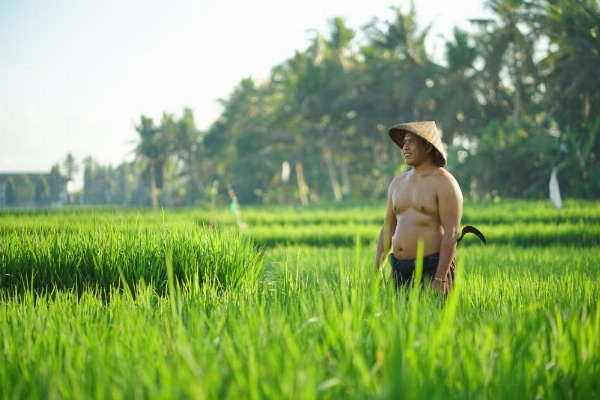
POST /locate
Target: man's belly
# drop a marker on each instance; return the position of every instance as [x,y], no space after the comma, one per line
[406,239]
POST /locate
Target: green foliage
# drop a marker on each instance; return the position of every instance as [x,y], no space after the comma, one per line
[578,160]
[10,193]
[56,182]
[42,192]
[572,28]
[70,166]
[24,189]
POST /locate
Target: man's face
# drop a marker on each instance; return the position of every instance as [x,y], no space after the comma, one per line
[415,150]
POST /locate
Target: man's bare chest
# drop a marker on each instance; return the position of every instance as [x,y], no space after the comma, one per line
[420,198]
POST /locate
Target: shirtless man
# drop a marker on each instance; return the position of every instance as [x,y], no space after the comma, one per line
[424,203]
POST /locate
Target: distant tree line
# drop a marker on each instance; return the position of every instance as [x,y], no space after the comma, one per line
[515,98]
[39,190]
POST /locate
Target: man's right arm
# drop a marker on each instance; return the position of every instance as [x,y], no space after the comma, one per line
[384,242]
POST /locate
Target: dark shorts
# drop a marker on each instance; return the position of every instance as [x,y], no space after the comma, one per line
[404,270]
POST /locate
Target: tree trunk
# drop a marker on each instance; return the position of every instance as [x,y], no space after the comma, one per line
[517,82]
[153,192]
[335,185]
[346,187]
[166,189]
[195,189]
[302,187]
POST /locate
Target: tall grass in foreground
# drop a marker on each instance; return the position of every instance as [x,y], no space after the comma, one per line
[523,321]
[106,257]
[321,328]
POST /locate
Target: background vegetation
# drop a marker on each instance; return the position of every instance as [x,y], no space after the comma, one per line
[515,97]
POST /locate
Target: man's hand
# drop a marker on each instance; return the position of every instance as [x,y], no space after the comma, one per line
[381,265]
[440,286]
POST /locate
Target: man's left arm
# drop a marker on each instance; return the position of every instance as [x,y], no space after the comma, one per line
[450,205]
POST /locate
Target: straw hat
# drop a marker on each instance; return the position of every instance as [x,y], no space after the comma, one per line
[426,130]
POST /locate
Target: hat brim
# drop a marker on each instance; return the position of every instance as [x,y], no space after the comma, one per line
[397,135]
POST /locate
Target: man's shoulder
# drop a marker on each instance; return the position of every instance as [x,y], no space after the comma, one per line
[450,176]
[402,175]
[443,173]
[447,181]
[399,178]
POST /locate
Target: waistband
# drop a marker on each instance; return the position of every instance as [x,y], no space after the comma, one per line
[435,256]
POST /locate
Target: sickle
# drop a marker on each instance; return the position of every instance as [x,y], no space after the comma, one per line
[473,230]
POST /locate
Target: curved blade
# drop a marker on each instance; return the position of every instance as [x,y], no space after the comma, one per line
[473,230]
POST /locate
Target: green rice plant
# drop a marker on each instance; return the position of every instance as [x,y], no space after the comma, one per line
[317,328]
[517,234]
[537,234]
[527,211]
[311,235]
[316,323]
[100,258]
[324,216]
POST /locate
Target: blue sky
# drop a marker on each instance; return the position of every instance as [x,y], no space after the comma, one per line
[76,75]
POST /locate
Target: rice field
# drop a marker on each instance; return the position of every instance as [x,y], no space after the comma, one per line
[115,303]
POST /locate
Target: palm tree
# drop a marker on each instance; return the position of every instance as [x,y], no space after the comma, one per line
[286,80]
[339,95]
[316,74]
[188,141]
[572,91]
[412,66]
[454,89]
[89,182]
[57,182]
[240,142]
[397,71]
[71,167]
[570,69]
[166,143]
[508,49]
[149,150]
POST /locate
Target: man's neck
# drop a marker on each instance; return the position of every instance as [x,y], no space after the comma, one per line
[424,168]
